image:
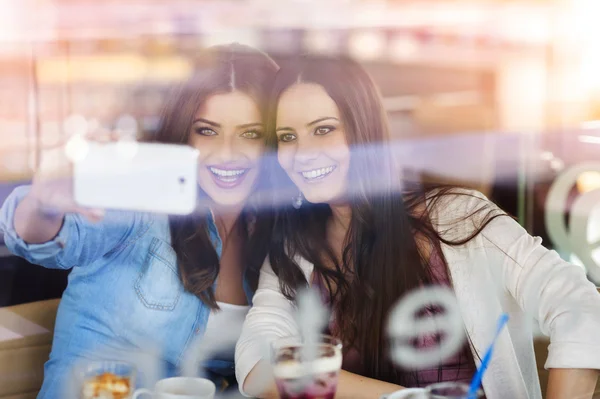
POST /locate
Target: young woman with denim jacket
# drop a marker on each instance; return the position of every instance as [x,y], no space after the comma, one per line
[143,287]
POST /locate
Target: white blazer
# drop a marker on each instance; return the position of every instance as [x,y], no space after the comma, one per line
[503,269]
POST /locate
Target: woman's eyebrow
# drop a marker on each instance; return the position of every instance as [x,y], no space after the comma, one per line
[322,119]
[247,125]
[284,128]
[325,118]
[211,123]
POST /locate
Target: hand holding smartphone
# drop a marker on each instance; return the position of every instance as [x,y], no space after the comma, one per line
[52,186]
[146,177]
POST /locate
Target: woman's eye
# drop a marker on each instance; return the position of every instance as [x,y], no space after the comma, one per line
[321,130]
[251,135]
[204,131]
[287,137]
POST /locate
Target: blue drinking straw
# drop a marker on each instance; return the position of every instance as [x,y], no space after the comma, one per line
[486,359]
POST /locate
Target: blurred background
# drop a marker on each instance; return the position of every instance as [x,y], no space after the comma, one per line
[502,96]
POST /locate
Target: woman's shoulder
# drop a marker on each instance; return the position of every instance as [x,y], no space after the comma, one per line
[133,220]
[454,201]
[447,202]
[156,225]
[457,210]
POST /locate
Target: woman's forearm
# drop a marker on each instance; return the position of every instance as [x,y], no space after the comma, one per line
[572,383]
[32,225]
[260,383]
[350,386]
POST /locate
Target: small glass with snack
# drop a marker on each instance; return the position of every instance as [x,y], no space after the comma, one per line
[107,380]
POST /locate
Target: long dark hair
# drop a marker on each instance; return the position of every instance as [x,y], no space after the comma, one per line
[383,256]
[222,69]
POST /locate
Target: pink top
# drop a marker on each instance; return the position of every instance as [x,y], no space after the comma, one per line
[459,367]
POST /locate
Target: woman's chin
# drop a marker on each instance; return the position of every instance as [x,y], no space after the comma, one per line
[230,202]
[228,197]
[319,198]
[225,200]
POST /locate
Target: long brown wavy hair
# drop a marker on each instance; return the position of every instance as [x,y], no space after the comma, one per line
[382,258]
[222,69]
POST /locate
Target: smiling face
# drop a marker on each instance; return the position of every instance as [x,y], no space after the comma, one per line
[312,146]
[228,132]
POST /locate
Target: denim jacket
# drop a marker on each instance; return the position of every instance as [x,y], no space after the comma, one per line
[124,300]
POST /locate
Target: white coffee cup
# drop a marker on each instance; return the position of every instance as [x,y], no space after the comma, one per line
[407,393]
[180,388]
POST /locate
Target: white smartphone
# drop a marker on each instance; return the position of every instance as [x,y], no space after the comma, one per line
[147,177]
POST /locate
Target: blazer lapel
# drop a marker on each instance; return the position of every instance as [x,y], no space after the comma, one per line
[480,309]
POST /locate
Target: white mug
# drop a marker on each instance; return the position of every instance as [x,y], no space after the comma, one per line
[407,393]
[180,388]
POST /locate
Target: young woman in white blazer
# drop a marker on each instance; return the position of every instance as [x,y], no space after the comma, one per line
[365,243]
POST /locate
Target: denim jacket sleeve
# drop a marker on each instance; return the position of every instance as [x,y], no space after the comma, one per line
[79,242]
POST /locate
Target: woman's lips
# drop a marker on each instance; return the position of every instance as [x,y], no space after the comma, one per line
[315,175]
[228,177]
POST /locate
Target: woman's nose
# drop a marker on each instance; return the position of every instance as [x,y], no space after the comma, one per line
[307,151]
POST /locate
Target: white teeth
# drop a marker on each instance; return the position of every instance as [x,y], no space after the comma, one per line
[227,175]
[318,173]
